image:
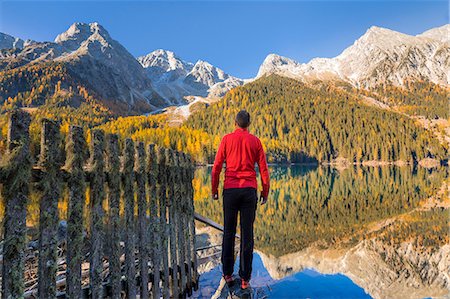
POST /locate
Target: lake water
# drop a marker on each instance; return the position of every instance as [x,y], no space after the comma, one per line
[361,232]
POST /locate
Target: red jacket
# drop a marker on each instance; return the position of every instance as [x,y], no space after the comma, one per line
[240,150]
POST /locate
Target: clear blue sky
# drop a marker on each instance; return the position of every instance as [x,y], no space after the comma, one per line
[233,35]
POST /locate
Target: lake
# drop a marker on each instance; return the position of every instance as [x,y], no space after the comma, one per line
[360,232]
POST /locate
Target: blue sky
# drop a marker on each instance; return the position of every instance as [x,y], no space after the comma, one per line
[233,35]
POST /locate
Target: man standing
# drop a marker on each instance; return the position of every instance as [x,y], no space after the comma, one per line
[240,150]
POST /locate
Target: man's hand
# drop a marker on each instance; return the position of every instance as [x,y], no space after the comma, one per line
[215,196]
[262,199]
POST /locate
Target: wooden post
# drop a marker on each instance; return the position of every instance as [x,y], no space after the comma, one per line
[97,194]
[161,190]
[50,163]
[128,195]
[113,194]
[179,222]
[75,151]
[140,171]
[190,175]
[172,222]
[15,193]
[154,237]
[185,208]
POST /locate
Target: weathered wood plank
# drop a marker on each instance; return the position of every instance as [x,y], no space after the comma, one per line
[113,195]
[154,237]
[75,157]
[185,208]
[17,171]
[174,287]
[128,195]
[97,196]
[162,197]
[140,172]
[49,185]
[190,175]
[180,231]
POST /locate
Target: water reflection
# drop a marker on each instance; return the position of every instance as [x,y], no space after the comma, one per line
[307,283]
[367,223]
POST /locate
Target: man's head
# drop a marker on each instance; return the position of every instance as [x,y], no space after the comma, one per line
[242,119]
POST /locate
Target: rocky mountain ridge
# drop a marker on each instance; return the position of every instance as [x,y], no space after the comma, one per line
[161,78]
[380,56]
[176,79]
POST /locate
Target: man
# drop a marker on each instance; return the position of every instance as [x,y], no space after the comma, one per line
[240,150]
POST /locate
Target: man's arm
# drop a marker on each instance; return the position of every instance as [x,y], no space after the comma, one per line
[264,171]
[217,168]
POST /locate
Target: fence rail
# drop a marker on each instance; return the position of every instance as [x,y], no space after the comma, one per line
[153,255]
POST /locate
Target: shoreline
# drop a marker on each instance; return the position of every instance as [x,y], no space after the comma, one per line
[344,163]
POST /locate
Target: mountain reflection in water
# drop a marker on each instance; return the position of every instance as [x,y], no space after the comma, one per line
[305,284]
[384,228]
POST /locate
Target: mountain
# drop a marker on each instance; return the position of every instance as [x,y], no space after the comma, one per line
[175,78]
[96,61]
[9,42]
[380,56]
[109,68]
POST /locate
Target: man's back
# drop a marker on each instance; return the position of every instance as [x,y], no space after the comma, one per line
[240,150]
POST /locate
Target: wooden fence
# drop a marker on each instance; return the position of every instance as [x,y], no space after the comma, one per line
[151,255]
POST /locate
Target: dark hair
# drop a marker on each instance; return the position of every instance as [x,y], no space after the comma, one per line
[243,119]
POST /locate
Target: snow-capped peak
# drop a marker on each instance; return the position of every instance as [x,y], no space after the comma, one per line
[379,56]
[383,37]
[79,33]
[175,78]
[165,60]
[207,74]
[274,63]
[439,33]
[10,42]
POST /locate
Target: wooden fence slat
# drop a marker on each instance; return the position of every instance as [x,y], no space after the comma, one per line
[190,175]
[50,162]
[75,152]
[113,194]
[154,237]
[17,170]
[162,197]
[140,171]
[185,207]
[174,292]
[128,195]
[97,195]
[178,178]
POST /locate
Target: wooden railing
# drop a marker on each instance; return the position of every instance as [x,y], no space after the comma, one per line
[151,255]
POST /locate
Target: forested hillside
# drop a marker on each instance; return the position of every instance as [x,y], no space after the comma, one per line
[415,98]
[298,123]
[51,91]
[155,129]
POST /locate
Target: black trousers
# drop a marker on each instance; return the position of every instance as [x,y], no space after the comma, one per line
[242,201]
